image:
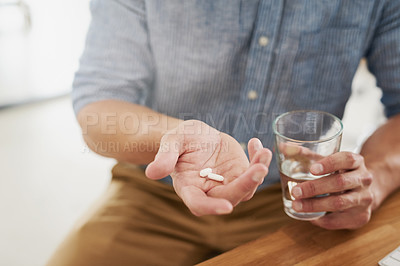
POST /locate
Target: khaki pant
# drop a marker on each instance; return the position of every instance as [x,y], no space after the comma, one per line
[143,222]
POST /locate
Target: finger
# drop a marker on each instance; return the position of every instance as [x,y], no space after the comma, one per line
[253,146]
[294,150]
[337,161]
[331,184]
[352,219]
[252,192]
[241,187]
[166,157]
[262,156]
[335,203]
[201,204]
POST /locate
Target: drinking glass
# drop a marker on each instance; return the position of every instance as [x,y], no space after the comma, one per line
[301,138]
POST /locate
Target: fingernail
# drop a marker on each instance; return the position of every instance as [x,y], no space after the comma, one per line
[223,211]
[316,168]
[297,205]
[257,145]
[297,192]
[257,177]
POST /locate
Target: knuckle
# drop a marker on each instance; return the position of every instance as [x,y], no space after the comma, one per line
[358,181]
[340,181]
[351,158]
[367,179]
[368,199]
[339,203]
[310,189]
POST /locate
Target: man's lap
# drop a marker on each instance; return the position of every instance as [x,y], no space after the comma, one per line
[143,222]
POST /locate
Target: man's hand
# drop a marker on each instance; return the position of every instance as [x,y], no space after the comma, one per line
[350,200]
[193,146]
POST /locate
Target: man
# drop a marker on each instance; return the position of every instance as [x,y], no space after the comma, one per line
[199,79]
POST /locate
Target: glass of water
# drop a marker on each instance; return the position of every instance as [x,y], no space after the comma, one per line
[302,138]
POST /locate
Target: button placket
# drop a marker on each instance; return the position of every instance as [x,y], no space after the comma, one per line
[259,60]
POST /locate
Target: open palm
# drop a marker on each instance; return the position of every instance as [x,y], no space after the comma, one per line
[193,146]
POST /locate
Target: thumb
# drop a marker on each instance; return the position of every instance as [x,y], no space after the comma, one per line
[165,160]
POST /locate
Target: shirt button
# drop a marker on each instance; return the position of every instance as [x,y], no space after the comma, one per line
[252,95]
[244,146]
[263,41]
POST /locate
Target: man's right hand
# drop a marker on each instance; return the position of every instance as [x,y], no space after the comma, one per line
[193,146]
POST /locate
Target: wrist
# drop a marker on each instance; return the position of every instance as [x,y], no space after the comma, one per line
[381,185]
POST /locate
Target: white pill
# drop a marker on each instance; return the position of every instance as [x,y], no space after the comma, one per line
[205,172]
[216,177]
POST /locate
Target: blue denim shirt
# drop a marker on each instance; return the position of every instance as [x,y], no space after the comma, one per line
[237,64]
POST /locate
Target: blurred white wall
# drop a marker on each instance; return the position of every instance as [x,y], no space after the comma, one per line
[364,111]
[48,179]
[40,62]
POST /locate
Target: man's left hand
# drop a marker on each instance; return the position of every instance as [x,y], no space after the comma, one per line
[350,199]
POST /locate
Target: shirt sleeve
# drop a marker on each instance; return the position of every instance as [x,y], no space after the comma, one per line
[384,56]
[117,62]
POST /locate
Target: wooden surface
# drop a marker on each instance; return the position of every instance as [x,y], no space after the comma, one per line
[300,243]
